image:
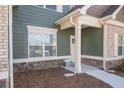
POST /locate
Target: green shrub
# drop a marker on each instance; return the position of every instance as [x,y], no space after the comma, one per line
[120,67]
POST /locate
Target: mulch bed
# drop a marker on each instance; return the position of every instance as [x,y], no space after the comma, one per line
[54,78]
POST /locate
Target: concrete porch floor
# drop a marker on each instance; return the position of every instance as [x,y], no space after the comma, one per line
[114,80]
[84,68]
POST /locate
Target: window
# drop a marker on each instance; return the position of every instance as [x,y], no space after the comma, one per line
[71,6]
[120,45]
[58,8]
[42,43]
[54,7]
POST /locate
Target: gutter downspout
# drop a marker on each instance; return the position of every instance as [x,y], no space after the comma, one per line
[10,48]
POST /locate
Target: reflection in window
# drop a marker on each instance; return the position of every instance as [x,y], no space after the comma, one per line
[50,50]
[42,44]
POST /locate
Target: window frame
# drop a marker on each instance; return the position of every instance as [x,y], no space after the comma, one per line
[59,8]
[43,31]
[117,45]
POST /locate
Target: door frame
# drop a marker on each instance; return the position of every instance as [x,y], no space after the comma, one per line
[71,36]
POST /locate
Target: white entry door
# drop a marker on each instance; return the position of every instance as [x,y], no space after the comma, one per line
[72,47]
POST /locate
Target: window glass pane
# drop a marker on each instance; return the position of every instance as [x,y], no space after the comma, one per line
[35,39]
[119,50]
[36,51]
[50,51]
[122,50]
[40,5]
[51,7]
[120,40]
[50,39]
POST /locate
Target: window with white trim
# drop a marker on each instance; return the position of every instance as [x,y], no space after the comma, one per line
[71,6]
[58,8]
[120,45]
[42,43]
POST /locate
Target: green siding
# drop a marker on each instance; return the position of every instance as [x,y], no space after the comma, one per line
[92,41]
[30,15]
[63,43]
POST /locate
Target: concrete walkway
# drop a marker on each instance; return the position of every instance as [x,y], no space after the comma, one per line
[111,79]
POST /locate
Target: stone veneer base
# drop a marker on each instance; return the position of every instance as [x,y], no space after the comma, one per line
[3,83]
[99,63]
[21,67]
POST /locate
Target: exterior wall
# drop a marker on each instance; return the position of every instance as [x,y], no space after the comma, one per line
[21,67]
[92,62]
[92,41]
[63,42]
[99,63]
[34,16]
[3,45]
[112,29]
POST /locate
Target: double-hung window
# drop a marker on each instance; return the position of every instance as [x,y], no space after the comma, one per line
[58,8]
[120,45]
[42,42]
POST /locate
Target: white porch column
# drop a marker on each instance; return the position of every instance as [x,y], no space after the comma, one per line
[77,48]
[104,46]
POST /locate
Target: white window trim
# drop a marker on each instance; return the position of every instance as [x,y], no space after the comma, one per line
[117,45]
[59,8]
[24,60]
[41,30]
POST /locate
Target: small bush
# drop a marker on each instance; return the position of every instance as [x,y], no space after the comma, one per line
[120,67]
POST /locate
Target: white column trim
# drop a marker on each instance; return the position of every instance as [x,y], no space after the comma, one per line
[104,46]
[78,48]
[10,48]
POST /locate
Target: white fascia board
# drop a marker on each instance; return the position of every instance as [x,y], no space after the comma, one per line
[114,22]
[84,9]
[117,11]
[75,12]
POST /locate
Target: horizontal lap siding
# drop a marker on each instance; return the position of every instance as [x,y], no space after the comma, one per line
[34,16]
[64,41]
[92,41]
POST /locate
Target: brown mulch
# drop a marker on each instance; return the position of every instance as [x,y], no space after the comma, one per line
[54,78]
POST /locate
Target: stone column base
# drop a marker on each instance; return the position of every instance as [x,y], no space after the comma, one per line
[21,67]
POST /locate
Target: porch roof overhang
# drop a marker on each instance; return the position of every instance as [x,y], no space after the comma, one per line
[78,17]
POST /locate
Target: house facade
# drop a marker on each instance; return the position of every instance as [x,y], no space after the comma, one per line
[43,36]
